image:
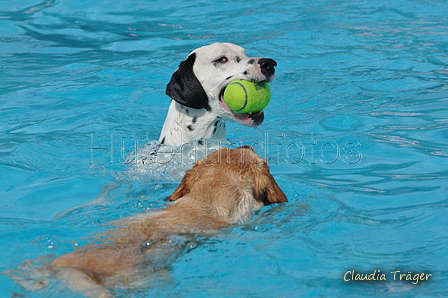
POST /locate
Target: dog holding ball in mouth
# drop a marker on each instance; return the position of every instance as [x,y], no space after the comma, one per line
[200,104]
[243,96]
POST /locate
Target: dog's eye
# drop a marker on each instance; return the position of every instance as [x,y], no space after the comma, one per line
[222,60]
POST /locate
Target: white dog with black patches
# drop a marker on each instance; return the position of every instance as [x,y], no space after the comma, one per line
[198,110]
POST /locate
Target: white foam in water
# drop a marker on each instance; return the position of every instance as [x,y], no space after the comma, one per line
[155,161]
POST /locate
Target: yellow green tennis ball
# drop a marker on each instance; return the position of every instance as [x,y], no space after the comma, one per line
[243,96]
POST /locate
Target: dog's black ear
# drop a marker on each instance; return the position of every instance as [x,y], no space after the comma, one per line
[185,88]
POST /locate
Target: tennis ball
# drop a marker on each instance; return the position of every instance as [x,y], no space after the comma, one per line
[243,96]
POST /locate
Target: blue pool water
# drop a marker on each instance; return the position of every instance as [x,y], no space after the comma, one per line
[356,135]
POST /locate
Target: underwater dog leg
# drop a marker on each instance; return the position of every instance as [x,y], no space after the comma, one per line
[82,282]
[102,197]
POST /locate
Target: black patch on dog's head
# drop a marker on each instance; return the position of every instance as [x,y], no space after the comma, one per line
[185,88]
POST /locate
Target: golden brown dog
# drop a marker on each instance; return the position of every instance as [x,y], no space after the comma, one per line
[226,187]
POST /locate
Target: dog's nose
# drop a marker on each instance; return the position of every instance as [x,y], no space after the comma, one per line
[267,66]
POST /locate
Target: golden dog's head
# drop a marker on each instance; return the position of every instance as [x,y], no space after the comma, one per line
[225,171]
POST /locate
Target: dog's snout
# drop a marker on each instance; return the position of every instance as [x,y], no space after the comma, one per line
[267,62]
[267,66]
